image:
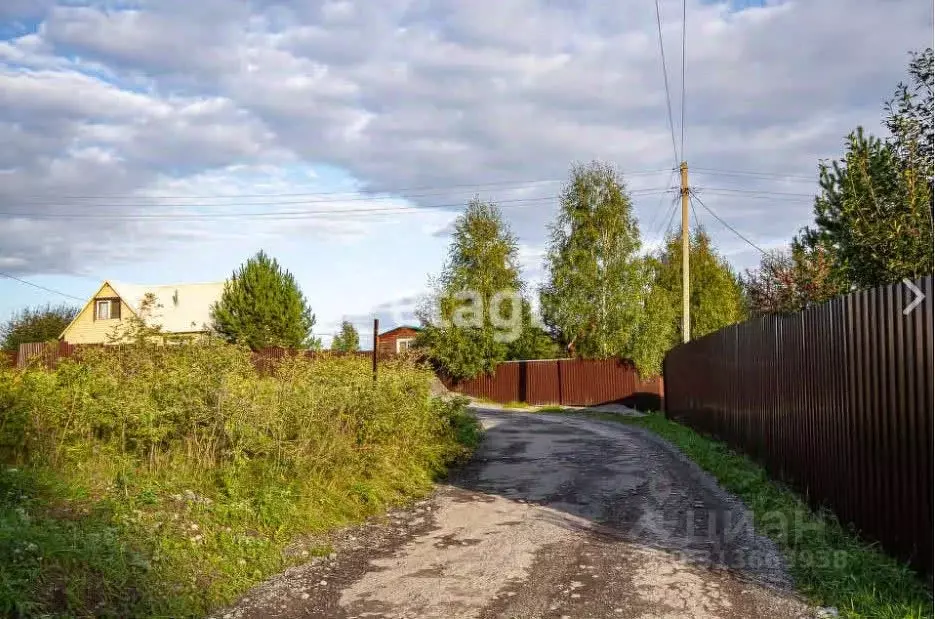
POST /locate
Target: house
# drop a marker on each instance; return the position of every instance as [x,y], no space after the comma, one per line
[181,311]
[396,340]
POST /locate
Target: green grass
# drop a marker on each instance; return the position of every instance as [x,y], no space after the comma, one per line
[551,408]
[515,404]
[830,565]
[168,483]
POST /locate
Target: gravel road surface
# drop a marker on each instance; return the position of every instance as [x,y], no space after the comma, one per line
[556,516]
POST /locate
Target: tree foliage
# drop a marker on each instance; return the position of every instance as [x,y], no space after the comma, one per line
[347,340]
[874,212]
[262,306]
[592,301]
[42,323]
[472,314]
[791,280]
[715,294]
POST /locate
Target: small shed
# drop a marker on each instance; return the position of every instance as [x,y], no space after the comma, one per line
[397,340]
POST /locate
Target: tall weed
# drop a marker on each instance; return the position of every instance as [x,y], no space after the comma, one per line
[200,470]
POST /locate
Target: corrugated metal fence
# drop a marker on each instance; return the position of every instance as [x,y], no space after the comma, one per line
[835,400]
[575,382]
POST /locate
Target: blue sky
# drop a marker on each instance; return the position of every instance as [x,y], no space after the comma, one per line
[157,142]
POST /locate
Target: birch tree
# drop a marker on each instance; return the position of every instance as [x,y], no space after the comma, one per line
[592,301]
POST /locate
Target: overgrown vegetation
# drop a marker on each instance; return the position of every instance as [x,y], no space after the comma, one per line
[831,566]
[165,481]
[42,323]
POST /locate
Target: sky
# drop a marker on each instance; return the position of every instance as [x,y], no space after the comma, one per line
[166,141]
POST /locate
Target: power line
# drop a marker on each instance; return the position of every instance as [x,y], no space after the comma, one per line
[694,196]
[759,192]
[665,77]
[682,119]
[59,292]
[353,193]
[723,172]
[675,209]
[658,208]
[284,215]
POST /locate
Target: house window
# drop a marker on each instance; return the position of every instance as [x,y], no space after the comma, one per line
[106,309]
[404,344]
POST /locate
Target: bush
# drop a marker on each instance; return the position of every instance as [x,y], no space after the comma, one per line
[195,472]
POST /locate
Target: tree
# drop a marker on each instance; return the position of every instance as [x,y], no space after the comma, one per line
[910,115]
[592,301]
[791,280]
[658,327]
[262,306]
[36,324]
[715,294]
[348,340]
[534,342]
[874,212]
[476,306]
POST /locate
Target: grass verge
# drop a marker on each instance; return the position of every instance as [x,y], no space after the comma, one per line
[167,482]
[830,565]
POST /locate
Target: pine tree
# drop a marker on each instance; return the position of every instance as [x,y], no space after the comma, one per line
[262,306]
[592,301]
[348,340]
[874,212]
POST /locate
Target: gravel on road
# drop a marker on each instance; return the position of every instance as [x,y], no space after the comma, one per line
[555,516]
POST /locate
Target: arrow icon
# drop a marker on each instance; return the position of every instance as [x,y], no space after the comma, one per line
[919,297]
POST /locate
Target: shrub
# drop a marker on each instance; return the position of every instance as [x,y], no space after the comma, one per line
[196,471]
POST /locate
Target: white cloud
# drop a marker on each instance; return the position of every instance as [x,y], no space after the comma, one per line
[102,100]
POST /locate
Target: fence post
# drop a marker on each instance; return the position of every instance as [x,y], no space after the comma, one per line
[376,329]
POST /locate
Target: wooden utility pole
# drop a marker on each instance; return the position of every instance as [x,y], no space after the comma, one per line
[686,321]
[376,329]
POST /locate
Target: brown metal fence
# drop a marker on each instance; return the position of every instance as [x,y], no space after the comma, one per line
[575,382]
[835,400]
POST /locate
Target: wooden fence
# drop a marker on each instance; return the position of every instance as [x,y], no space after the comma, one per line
[835,400]
[575,382]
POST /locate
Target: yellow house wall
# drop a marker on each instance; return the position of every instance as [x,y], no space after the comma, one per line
[86,330]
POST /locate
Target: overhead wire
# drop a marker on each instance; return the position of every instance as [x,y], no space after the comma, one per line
[776,175]
[355,193]
[657,210]
[694,196]
[682,118]
[665,77]
[40,287]
[276,215]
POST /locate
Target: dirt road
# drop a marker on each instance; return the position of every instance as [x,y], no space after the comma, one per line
[556,516]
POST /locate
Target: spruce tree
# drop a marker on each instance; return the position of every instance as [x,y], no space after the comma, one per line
[263,306]
[347,340]
[593,299]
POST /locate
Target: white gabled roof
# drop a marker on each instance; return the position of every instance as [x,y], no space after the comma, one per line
[179,308]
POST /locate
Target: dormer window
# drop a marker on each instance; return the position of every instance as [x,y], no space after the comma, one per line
[106,309]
